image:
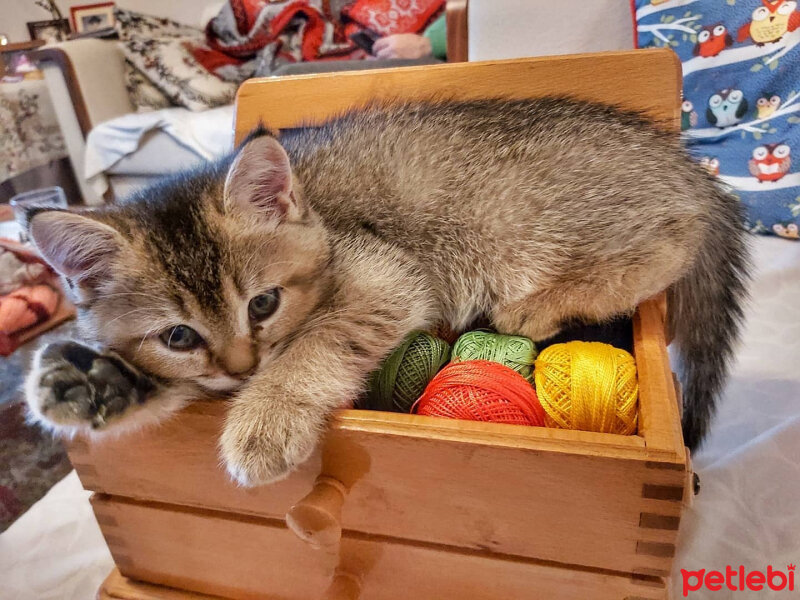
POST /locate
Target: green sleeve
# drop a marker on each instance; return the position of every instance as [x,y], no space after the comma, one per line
[437,34]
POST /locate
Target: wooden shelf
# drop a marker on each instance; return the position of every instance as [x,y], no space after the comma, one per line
[21,46]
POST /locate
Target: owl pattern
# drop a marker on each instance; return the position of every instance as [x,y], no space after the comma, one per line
[770,162]
[726,108]
[790,231]
[770,22]
[766,105]
[712,40]
[739,114]
[688,115]
[711,165]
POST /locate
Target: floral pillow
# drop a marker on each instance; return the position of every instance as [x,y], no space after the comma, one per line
[741,87]
[171,66]
[142,92]
[160,67]
[130,24]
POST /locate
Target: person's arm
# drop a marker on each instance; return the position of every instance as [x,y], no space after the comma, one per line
[437,34]
[433,42]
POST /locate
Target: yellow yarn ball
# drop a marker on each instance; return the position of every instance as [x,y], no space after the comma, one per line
[588,386]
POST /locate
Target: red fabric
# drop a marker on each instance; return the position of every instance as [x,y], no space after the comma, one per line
[250,10]
[279,30]
[27,268]
[394,16]
[312,35]
[245,13]
[26,307]
[481,390]
[23,253]
[633,18]
[212,59]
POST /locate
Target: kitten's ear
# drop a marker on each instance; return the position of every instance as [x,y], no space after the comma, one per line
[259,182]
[75,245]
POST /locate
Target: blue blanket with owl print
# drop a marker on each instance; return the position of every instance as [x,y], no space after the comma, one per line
[741,88]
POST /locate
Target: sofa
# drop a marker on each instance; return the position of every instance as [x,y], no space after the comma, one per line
[115,150]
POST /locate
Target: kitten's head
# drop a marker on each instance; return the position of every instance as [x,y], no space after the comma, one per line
[203,277]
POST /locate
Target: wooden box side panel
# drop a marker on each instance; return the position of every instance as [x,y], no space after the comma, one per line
[547,504]
[608,502]
[641,80]
[659,415]
[232,558]
[252,558]
[118,587]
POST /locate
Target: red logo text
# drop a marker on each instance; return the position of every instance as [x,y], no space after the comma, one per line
[738,580]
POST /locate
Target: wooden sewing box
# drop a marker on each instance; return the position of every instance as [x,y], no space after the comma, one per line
[397,506]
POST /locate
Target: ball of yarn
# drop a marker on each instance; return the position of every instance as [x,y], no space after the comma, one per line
[406,372]
[589,386]
[513,351]
[481,390]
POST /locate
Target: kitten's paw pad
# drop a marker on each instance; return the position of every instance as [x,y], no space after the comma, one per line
[73,386]
[254,456]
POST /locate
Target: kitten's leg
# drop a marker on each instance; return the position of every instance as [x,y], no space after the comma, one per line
[539,316]
[276,421]
[72,388]
[542,314]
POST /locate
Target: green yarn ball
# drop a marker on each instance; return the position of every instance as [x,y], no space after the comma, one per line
[405,374]
[513,351]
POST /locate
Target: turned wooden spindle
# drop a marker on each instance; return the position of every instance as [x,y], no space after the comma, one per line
[344,586]
[317,518]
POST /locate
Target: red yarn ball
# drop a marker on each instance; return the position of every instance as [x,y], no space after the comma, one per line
[481,390]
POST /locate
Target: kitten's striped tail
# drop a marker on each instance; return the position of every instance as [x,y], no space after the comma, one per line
[705,315]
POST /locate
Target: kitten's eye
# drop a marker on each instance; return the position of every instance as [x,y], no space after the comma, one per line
[180,337]
[263,305]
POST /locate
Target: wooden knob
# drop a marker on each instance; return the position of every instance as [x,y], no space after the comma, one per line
[317,518]
[344,586]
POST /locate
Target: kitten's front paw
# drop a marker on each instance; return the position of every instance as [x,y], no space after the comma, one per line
[260,448]
[71,387]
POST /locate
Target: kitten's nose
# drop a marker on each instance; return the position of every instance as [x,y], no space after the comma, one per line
[239,358]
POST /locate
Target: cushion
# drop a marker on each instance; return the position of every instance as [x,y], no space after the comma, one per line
[393,16]
[143,93]
[157,86]
[169,63]
[130,24]
[741,108]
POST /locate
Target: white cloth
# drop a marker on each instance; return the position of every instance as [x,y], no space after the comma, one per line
[747,511]
[207,134]
[517,28]
[55,551]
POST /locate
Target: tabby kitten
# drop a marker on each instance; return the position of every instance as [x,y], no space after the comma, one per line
[283,275]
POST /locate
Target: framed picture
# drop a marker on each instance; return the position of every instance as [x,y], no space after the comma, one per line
[55,30]
[92,17]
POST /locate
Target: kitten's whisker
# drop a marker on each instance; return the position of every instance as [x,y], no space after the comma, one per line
[116,294]
[130,312]
[144,337]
